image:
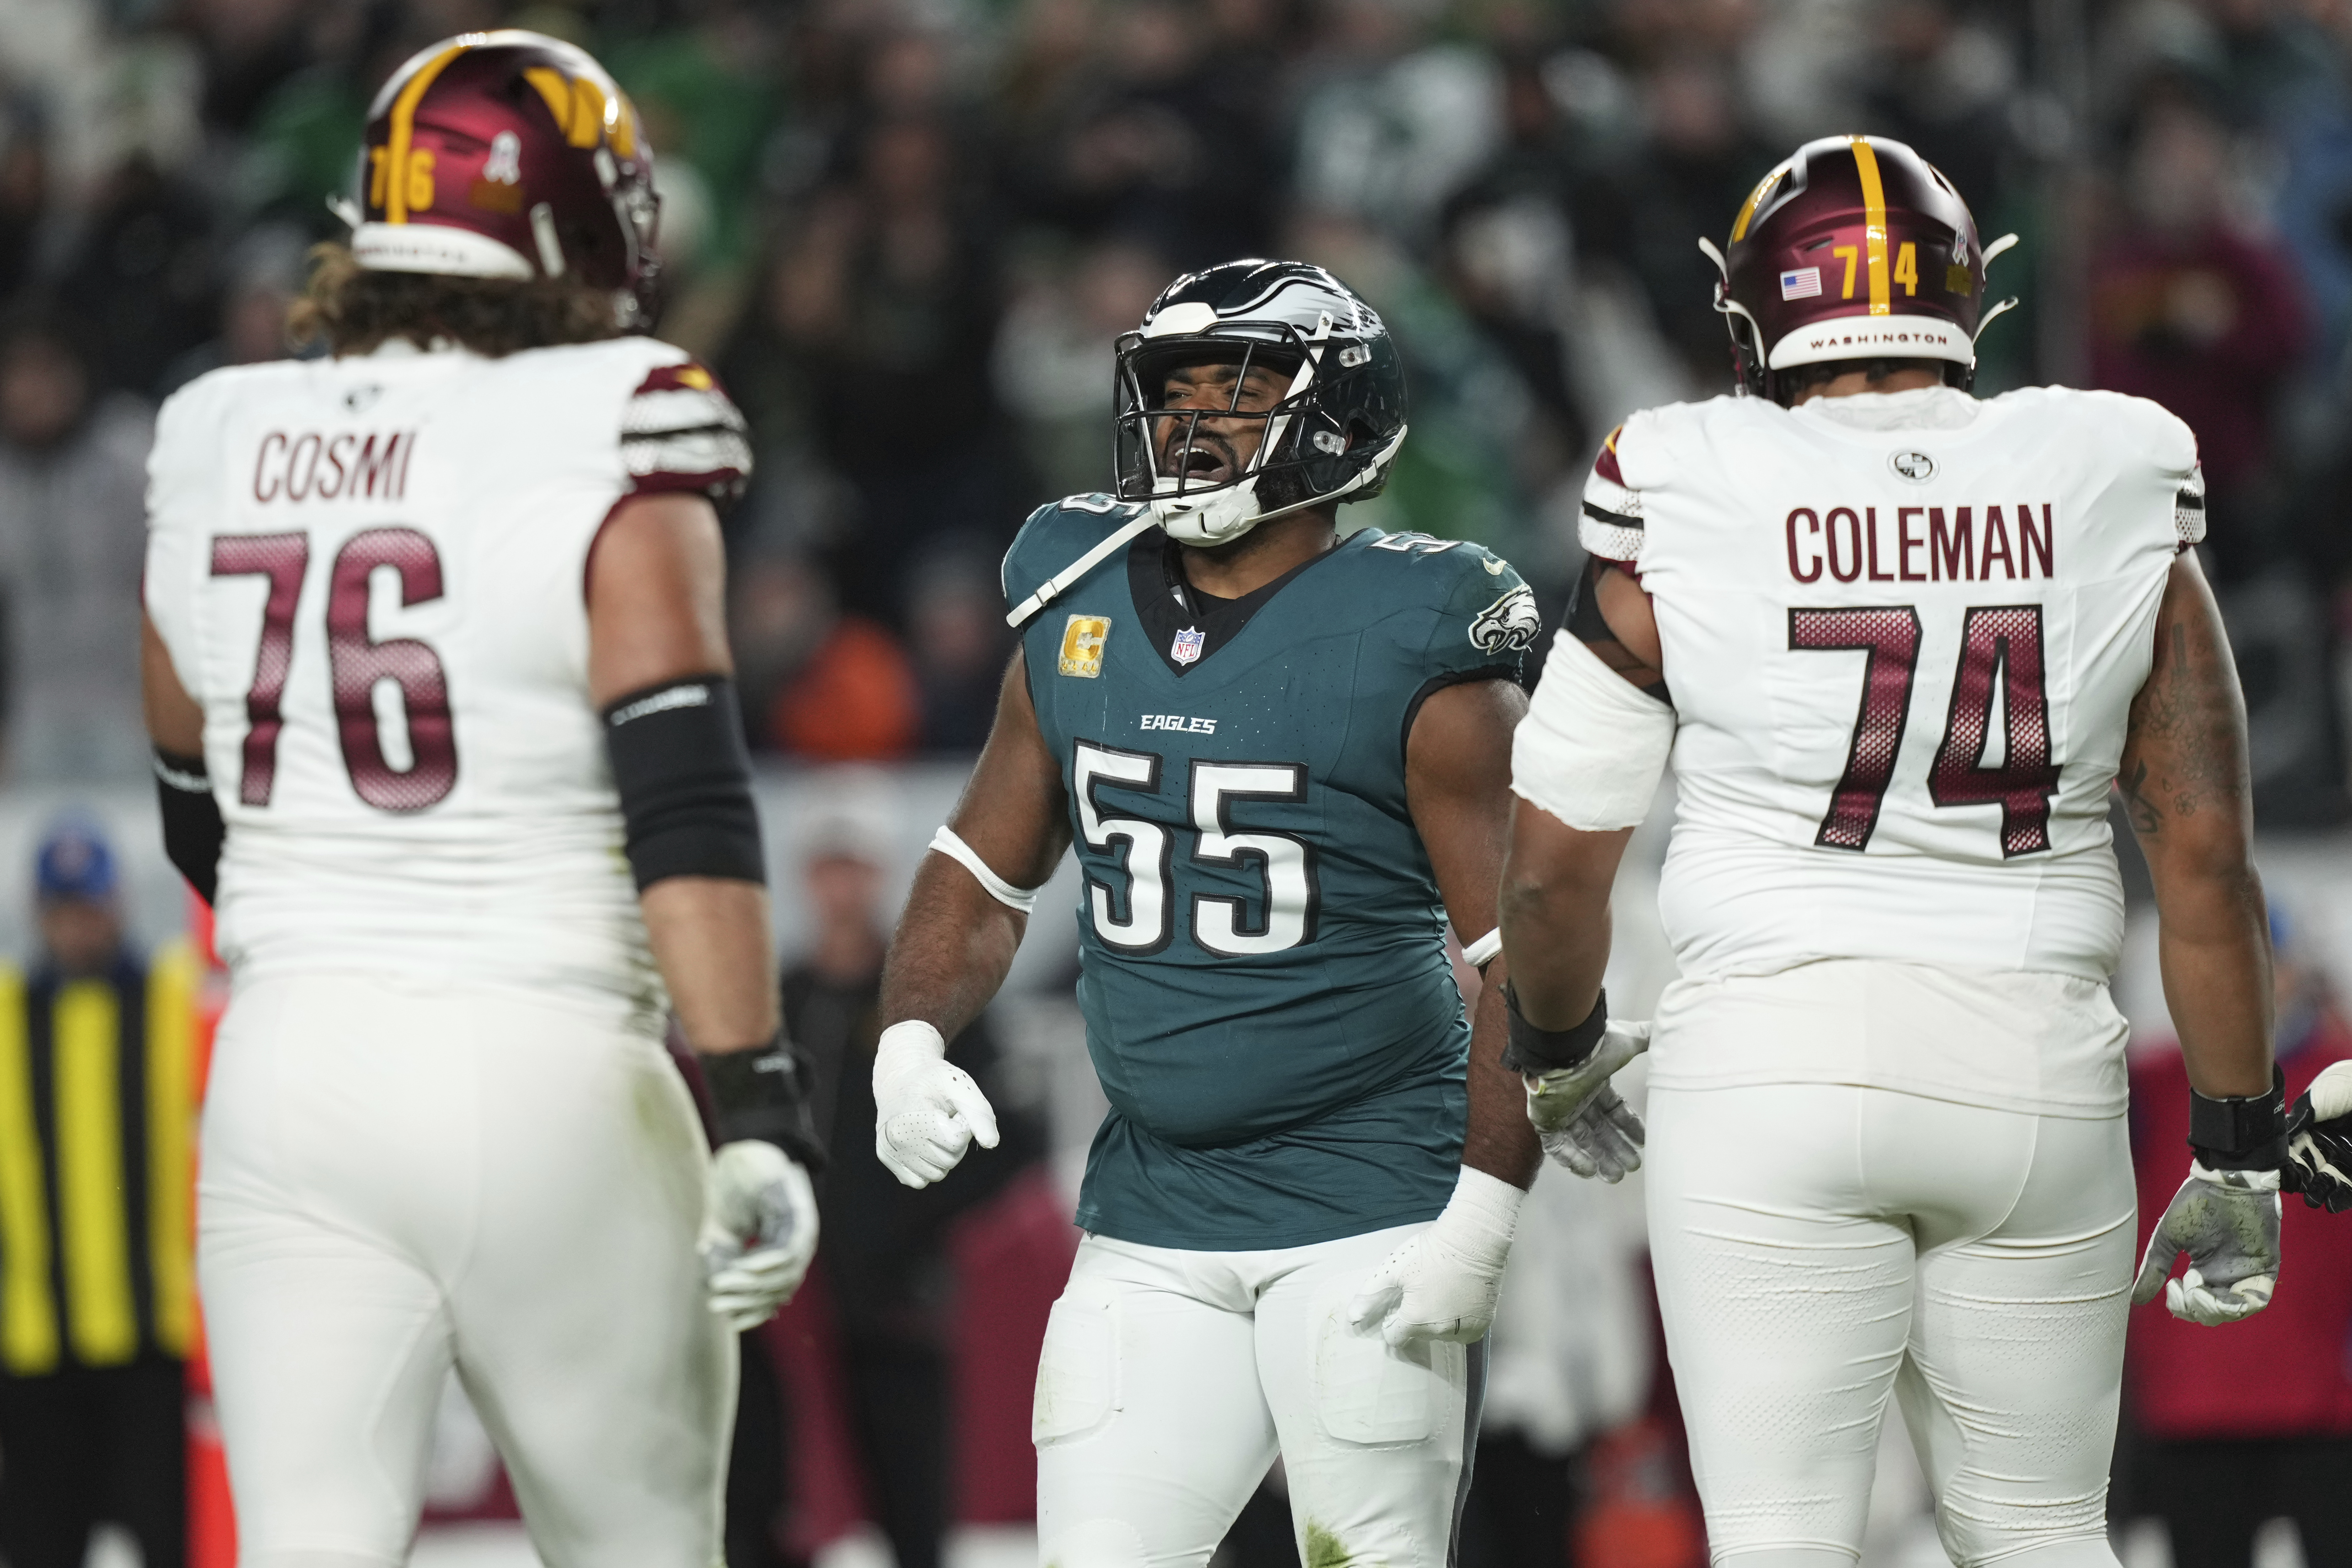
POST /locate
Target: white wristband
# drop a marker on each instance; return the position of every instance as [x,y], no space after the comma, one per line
[1023,899]
[1480,953]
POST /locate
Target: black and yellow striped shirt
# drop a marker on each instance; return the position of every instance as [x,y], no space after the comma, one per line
[97,1143]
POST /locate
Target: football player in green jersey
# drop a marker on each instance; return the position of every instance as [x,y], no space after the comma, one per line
[1282,759]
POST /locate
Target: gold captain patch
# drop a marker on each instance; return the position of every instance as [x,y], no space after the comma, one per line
[1082,645]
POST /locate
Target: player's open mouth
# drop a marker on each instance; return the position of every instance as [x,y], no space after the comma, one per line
[1204,465]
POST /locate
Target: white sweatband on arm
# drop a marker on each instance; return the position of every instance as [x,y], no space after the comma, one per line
[1592,747]
[1023,899]
[1480,953]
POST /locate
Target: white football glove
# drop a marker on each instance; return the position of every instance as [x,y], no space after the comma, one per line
[927,1110]
[2319,1140]
[2227,1224]
[759,1231]
[1442,1284]
[1583,1123]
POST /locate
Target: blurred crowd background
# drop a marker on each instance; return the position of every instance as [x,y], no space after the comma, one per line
[906,233]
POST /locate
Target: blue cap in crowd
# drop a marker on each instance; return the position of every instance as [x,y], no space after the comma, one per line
[75,862]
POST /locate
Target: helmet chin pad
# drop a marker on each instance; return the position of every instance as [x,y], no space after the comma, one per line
[1213,517]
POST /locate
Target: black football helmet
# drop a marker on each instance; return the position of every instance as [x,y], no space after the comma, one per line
[1330,437]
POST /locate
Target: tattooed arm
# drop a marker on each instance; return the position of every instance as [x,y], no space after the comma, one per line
[2184,784]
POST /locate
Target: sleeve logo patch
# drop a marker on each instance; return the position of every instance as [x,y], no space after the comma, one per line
[1509,625]
[1082,645]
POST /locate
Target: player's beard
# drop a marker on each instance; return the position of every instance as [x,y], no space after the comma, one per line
[1282,488]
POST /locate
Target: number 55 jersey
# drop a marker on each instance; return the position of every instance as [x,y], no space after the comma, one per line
[371,573]
[1902,636]
[1263,962]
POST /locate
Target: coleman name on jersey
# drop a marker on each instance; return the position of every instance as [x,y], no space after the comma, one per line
[1920,544]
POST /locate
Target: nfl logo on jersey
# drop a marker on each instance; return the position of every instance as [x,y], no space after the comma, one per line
[1186,647]
[1805,283]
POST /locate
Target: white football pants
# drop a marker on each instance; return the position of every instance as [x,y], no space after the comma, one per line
[1171,1378]
[394,1182]
[1818,1245]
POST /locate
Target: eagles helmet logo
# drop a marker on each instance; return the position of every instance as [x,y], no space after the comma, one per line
[1509,625]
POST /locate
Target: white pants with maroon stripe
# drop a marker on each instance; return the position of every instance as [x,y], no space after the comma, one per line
[397,1181]
[1171,1378]
[1818,1246]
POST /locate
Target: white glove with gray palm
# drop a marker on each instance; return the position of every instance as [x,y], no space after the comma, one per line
[759,1231]
[2227,1224]
[1584,1125]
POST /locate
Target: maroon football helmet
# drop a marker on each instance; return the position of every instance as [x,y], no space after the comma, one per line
[1857,247]
[510,154]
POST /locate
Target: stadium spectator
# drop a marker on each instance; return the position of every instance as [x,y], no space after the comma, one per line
[1065,313]
[884,1257]
[1170,138]
[883,298]
[142,273]
[960,644]
[2191,310]
[1646,208]
[2212,1465]
[817,684]
[96,1188]
[265,275]
[72,533]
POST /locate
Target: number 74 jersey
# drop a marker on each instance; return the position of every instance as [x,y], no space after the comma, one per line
[371,573]
[1902,635]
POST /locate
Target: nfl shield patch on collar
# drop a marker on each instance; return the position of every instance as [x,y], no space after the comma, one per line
[1186,649]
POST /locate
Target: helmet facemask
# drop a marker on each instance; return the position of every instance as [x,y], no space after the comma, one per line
[1188,475]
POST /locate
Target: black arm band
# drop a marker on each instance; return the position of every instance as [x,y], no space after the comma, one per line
[684,778]
[1528,1049]
[193,829]
[2247,1133]
[766,1093]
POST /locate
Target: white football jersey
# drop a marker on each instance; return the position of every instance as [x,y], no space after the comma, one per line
[1902,635]
[370,572]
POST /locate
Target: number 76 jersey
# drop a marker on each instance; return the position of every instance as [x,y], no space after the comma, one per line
[371,573]
[1902,635]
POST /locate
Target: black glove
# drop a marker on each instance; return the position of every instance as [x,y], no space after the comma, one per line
[2319,1140]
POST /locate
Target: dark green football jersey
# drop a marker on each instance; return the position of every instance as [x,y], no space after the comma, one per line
[1261,946]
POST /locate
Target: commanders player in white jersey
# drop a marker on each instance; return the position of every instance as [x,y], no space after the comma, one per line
[435,671]
[1898,645]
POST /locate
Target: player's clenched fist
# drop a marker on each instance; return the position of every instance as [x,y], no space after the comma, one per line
[1442,1283]
[927,1110]
[759,1231]
[2227,1224]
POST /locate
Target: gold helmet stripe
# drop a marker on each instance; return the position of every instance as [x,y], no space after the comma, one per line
[1747,208]
[1873,217]
[403,119]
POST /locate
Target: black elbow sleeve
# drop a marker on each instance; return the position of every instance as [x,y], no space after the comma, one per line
[193,829]
[685,781]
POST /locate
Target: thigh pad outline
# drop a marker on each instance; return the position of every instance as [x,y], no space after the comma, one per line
[1369,1394]
[1077,1370]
